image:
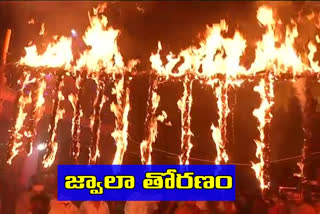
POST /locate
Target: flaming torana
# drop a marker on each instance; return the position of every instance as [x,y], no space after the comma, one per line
[215,62]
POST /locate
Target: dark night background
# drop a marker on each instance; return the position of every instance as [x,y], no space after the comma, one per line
[177,25]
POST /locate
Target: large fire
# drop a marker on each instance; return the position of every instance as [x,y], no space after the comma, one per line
[215,62]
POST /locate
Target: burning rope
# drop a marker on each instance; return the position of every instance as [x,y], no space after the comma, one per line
[77,115]
[151,123]
[37,112]
[121,112]
[184,105]
[57,115]
[16,140]
[96,120]
[305,98]
[264,116]
[219,133]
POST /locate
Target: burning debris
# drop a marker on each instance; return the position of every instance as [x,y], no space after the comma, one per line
[215,62]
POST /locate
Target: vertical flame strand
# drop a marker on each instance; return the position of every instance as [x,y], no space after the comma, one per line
[121,112]
[57,115]
[77,114]
[16,140]
[264,116]
[184,105]
[219,133]
[37,112]
[151,123]
[96,120]
[305,98]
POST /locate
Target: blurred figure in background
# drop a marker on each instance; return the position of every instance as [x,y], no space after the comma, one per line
[203,207]
[94,207]
[188,208]
[143,207]
[62,207]
[226,207]
[317,206]
[23,204]
[299,206]
[39,204]
[259,205]
[277,205]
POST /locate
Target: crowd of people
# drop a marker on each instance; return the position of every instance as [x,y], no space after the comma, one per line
[41,198]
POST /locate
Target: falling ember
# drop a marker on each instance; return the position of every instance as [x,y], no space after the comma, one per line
[31,21]
[57,115]
[264,116]
[121,112]
[37,112]
[162,117]
[184,104]
[95,121]
[151,124]
[41,33]
[219,133]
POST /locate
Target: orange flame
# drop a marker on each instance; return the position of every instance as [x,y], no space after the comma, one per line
[184,104]
[16,140]
[75,127]
[57,54]
[53,145]
[37,113]
[263,114]
[16,135]
[152,123]
[121,112]
[104,52]
[219,132]
[95,124]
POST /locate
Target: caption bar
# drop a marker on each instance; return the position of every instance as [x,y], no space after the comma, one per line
[146,182]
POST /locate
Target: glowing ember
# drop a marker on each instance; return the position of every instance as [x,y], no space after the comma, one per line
[41,33]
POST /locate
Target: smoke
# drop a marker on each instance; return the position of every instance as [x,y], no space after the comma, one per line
[300,86]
